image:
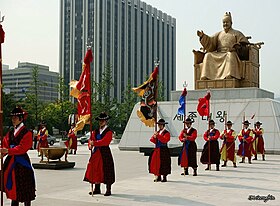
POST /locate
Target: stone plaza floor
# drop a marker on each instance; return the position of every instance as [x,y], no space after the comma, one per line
[134,186]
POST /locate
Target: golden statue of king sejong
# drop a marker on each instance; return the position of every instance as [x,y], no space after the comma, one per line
[221,60]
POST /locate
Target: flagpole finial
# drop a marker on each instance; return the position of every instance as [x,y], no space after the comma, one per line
[157,62]
[89,45]
[1,18]
[185,85]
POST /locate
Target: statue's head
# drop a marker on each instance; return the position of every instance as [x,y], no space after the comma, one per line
[227,21]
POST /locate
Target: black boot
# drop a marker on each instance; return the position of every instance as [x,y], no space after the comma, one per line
[14,203]
[217,167]
[263,157]
[234,165]
[194,171]
[249,160]
[243,160]
[256,158]
[208,167]
[157,179]
[96,190]
[108,190]
[164,178]
[27,203]
[225,164]
[186,171]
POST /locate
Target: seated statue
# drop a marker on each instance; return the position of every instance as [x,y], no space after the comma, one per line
[221,60]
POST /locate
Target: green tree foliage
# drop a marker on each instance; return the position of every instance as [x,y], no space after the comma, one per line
[102,99]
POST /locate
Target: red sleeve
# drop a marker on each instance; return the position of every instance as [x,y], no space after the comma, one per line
[181,136]
[153,140]
[105,141]
[164,138]
[193,136]
[91,138]
[223,134]
[6,141]
[24,145]
[205,136]
[217,135]
[231,137]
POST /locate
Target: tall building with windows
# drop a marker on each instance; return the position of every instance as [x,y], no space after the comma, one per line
[18,81]
[127,34]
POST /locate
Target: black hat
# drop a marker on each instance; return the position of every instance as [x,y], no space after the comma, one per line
[188,120]
[19,112]
[162,121]
[246,122]
[102,116]
[258,123]
[43,123]
[229,123]
[211,122]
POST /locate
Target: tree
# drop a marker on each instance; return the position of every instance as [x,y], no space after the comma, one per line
[32,103]
[10,104]
[101,97]
[130,98]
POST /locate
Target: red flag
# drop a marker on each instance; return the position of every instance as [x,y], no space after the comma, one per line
[2,34]
[84,81]
[203,105]
[81,91]
[83,104]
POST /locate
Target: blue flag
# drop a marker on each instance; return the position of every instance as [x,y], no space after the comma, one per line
[182,102]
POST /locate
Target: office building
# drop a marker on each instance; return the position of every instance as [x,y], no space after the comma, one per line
[129,35]
[18,81]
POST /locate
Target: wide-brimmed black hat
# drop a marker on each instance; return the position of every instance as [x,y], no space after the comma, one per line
[258,123]
[188,120]
[229,123]
[212,122]
[161,121]
[43,123]
[102,116]
[246,122]
[19,112]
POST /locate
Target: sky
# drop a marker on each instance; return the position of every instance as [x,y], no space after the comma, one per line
[32,32]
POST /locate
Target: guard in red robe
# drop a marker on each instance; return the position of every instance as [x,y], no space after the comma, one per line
[159,161]
[228,148]
[211,137]
[42,138]
[187,157]
[246,138]
[72,141]
[100,168]
[258,142]
[19,181]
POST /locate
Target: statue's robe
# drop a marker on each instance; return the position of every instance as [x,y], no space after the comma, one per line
[221,59]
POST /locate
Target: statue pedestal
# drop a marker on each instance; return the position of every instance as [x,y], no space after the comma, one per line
[216,84]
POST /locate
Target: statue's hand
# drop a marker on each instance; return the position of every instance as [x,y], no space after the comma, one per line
[199,33]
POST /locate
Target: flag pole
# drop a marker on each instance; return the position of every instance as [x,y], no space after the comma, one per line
[185,116]
[209,148]
[90,115]
[1,110]
[156,95]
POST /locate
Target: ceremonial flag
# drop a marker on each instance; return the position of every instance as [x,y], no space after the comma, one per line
[182,102]
[81,91]
[203,105]
[2,34]
[147,91]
